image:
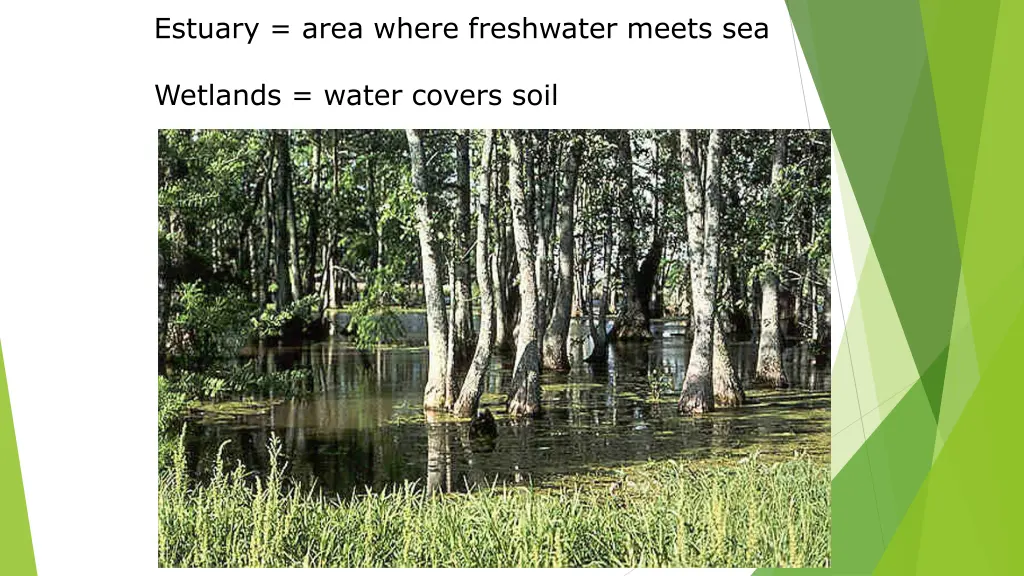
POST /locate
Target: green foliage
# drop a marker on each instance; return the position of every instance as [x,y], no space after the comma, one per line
[375,326]
[205,328]
[271,321]
[660,514]
[374,321]
[659,383]
[171,405]
[242,380]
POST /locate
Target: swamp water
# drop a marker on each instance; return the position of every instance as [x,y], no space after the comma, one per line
[361,423]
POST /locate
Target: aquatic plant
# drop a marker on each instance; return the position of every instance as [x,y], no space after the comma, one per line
[659,382]
[659,514]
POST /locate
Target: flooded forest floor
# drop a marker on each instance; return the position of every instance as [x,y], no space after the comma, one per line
[608,475]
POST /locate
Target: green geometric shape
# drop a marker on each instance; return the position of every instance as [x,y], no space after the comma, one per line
[967,521]
[859,64]
[16,554]
[846,410]
[969,516]
[960,73]
[875,418]
[845,444]
[876,58]
[961,377]
[871,494]
[915,234]
[856,539]
[936,485]
[860,241]
[993,254]
[881,359]
[933,379]
[901,455]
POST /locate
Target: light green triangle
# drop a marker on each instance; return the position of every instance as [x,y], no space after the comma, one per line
[874,367]
[961,370]
[845,410]
[860,240]
[845,444]
[887,370]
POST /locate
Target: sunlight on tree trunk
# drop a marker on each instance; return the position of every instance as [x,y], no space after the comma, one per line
[702,203]
[434,396]
[555,337]
[769,348]
[525,399]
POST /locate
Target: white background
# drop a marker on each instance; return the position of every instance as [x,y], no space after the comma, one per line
[78,250]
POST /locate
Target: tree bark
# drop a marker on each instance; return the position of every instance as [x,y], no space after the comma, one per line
[647,276]
[314,216]
[556,354]
[630,321]
[525,400]
[288,195]
[702,202]
[282,178]
[537,155]
[769,371]
[373,207]
[435,392]
[599,329]
[462,305]
[728,392]
[472,386]
[504,304]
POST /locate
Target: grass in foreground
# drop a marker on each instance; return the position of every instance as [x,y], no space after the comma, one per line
[658,514]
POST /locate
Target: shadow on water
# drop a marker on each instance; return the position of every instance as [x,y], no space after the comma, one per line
[362,424]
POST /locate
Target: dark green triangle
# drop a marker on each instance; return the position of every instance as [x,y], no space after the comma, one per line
[933,380]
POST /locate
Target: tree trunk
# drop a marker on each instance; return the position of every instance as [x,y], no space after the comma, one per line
[282,178]
[630,322]
[266,234]
[314,216]
[702,202]
[330,274]
[728,392]
[439,456]
[504,305]
[472,386]
[538,196]
[647,276]
[450,393]
[599,330]
[769,348]
[462,295]
[373,220]
[501,319]
[288,196]
[434,394]
[556,354]
[525,400]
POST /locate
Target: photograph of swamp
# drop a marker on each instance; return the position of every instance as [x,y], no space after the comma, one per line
[460,348]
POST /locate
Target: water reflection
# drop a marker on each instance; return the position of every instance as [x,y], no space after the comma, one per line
[362,425]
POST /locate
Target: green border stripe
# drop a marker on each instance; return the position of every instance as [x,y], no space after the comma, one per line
[16,555]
